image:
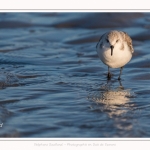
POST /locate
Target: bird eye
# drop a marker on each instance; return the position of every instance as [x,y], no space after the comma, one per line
[107,40]
[117,41]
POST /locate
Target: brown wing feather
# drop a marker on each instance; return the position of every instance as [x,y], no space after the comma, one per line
[129,41]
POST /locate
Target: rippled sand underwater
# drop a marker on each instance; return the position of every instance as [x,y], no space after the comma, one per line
[52,83]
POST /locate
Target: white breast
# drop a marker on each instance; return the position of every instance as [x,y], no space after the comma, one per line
[118,59]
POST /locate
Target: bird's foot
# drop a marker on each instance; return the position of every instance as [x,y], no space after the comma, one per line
[108,76]
[121,88]
[119,78]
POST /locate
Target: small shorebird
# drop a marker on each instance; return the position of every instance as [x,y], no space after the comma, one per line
[115,50]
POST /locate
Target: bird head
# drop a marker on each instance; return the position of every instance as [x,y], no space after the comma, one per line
[112,39]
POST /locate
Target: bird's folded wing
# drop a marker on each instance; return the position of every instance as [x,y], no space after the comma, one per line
[128,40]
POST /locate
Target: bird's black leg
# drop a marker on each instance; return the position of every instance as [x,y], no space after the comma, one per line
[119,78]
[121,87]
[109,74]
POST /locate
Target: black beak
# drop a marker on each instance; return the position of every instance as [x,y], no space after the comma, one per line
[112,47]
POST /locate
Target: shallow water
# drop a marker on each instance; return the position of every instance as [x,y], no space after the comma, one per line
[52,83]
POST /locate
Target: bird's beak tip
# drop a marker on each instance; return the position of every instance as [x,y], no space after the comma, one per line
[111,52]
[112,47]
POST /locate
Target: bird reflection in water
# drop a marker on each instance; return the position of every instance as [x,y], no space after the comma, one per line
[116,102]
[109,94]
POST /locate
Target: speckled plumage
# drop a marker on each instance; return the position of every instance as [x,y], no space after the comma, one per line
[115,49]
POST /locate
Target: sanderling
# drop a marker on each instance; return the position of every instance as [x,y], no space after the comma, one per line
[115,50]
